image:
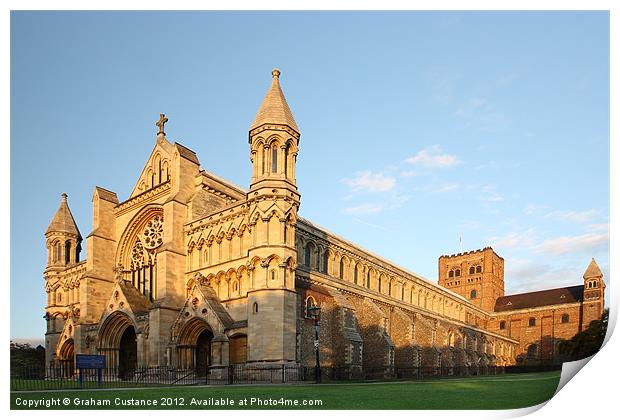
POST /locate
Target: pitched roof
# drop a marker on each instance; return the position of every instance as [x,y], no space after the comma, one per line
[138,303]
[63,220]
[558,296]
[593,270]
[274,109]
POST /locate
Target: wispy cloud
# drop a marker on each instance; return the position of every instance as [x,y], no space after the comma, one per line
[409,174]
[491,195]
[523,275]
[433,157]
[438,188]
[370,182]
[478,113]
[523,239]
[580,217]
[366,208]
[578,244]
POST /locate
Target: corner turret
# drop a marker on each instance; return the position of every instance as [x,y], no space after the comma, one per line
[62,237]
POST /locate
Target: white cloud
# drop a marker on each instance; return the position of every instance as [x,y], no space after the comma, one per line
[366,208]
[491,195]
[408,174]
[470,106]
[434,157]
[370,182]
[586,243]
[580,217]
[448,187]
[514,240]
[523,275]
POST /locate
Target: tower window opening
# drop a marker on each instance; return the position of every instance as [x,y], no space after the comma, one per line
[67,252]
[274,159]
[286,151]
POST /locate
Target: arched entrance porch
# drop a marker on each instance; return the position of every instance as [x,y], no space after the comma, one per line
[194,346]
[118,342]
[66,358]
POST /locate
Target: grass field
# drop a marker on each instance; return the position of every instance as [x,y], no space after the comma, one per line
[491,392]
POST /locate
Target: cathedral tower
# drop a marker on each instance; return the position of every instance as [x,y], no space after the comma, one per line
[62,237]
[273,202]
[478,276]
[593,293]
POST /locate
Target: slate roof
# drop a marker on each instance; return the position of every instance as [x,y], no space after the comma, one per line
[274,109]
[558,296]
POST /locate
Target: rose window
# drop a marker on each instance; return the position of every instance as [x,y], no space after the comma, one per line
[153,233]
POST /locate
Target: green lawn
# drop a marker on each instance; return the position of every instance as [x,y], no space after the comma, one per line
[490,392]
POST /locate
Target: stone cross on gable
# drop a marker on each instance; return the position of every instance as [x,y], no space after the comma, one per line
[162,121]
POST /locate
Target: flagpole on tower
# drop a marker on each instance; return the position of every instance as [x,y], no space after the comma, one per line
[461,243]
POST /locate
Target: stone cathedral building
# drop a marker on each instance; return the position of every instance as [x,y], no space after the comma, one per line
[191,271]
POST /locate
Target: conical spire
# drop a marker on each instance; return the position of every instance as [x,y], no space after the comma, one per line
[593,270]
[274,109]
[63,220]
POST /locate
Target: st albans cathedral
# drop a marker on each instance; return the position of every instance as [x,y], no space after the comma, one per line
[193,272]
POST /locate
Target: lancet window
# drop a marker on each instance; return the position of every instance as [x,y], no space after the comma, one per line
[144,258]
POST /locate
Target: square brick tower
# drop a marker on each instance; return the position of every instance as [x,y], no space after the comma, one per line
[476,275]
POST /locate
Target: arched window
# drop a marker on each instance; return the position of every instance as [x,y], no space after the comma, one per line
[341,274]
[286,152]
[67,252]
[594,284]
[532,322]
[325,261]
[274,159]
[532,351]
[262,158]
[502,325]
[472,269]
[368,280]
[589,284]
[565,318]
[255,308]
[310,302]
[56,251]
[479,269]
[307,254]
[355,274]
[402,293]
[457,272]
[379,287]
[451,273]
[473,294]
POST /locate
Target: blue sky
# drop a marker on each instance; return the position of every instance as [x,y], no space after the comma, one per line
[417,127]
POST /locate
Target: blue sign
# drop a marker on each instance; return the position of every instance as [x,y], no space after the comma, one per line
[89,361]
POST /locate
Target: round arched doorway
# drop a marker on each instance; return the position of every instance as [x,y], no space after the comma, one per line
[127,354]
